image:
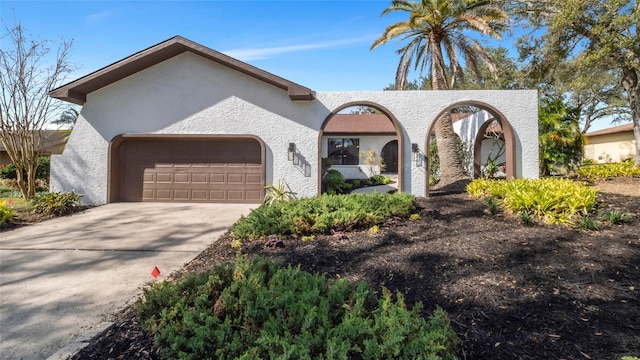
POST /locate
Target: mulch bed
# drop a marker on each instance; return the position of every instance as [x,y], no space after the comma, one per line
[511,291]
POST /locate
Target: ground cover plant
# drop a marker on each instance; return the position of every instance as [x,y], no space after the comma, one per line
[322,214]
[608,171]
[512,291]
[555,201]
[260,310]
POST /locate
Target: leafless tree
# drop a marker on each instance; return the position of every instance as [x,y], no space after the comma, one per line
[29,70]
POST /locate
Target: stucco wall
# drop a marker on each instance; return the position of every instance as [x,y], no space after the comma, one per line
[190,95]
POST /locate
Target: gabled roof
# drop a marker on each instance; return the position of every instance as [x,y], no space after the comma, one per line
[52,140]
[76,91]
[359,124]
[612,130]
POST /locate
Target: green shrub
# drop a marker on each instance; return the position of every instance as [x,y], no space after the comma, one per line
[615,216]
[378,180]
[587,223]
[556,201]
[6,211]
[491,205]
[323,214]
[526,218]
[56,203]
[608,171]
[42,172]
[333,182]
[259,310]
[278,193]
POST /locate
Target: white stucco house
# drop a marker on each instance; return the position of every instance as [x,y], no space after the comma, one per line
[181,122]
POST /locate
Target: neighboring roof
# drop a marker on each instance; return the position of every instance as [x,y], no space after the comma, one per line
[359,124]
[53,140]
[76,91]
[611,130]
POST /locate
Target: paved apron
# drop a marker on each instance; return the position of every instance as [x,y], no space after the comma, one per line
[62,279]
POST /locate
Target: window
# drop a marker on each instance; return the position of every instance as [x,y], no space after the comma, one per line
[344,151]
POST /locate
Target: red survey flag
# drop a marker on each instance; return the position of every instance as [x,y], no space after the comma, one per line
[155,272]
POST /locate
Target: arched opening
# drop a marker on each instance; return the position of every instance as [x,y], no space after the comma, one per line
[476,128]
[389,155]
[489,150]
[338,142]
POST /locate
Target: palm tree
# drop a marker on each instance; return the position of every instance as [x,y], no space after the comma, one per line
[67,117]
[436,31]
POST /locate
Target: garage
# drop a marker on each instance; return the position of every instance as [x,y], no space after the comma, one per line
[187,169]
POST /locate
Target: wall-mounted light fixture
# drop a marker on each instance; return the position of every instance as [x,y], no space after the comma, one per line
[415,149]
[291,152]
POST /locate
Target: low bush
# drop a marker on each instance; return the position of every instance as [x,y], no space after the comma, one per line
[556,201]
[333,182]
[278,193]
[56,203]
[608,171]
[259,310]
[6,211]
[615,217]
[323,214]
[587,223]
[42,172]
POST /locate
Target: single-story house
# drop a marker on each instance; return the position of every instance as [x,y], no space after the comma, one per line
[348,136]
[614,144]
[53,142]
[181,122]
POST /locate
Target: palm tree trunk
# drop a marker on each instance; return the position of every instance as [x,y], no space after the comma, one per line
[450,162]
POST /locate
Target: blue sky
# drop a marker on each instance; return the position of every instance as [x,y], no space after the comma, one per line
[320,44]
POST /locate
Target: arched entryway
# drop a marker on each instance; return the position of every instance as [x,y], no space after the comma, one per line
[396,130]
[489,132]
[389,155]
[507,131]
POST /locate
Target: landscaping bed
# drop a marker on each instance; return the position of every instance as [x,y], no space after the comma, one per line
[511,291]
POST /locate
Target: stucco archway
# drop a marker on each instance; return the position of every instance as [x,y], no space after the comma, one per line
[383,110]
[507,129]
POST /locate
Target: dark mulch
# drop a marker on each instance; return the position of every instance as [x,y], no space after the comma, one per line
[512,292]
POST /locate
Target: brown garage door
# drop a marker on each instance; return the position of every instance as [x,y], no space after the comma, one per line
[191,170]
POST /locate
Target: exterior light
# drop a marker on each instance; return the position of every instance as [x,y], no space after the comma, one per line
[416,152]
[292,152]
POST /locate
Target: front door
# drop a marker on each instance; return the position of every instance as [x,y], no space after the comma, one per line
[389,155]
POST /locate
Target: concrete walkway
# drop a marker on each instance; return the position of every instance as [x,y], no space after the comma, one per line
[62,279]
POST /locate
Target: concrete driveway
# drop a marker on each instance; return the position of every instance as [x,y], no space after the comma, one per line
[60,280]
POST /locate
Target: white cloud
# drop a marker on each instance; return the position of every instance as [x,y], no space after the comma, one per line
[248,54]
[98,17]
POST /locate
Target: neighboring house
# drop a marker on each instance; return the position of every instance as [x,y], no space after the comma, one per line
[610,145]
[181,122]
[53,143]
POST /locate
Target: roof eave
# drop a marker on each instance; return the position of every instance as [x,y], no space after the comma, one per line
[76,91]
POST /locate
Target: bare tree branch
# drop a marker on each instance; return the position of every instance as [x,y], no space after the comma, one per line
[25,106]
